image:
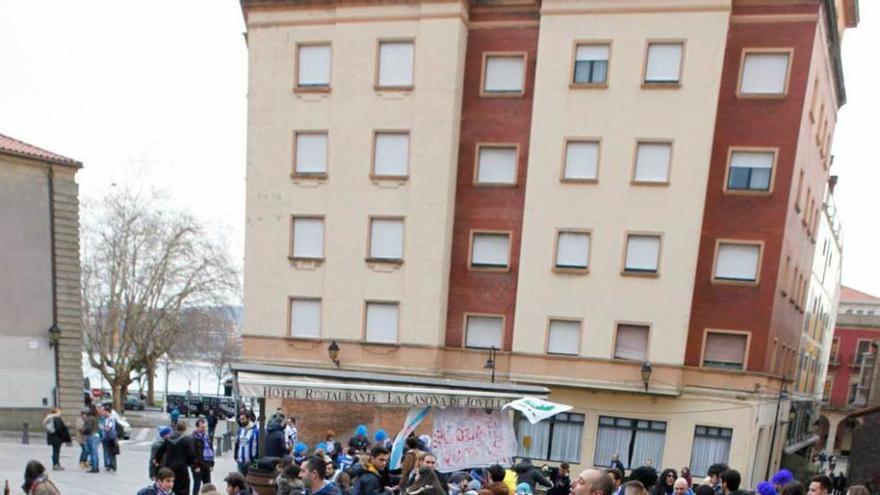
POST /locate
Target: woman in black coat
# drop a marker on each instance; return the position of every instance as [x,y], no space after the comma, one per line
[56,434]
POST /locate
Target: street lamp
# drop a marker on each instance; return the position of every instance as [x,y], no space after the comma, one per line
[646,374]
[333,352]
[490,363]
[54,335]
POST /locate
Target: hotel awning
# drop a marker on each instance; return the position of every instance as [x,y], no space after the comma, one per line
[281,382]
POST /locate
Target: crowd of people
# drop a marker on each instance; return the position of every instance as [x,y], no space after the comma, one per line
[181,462]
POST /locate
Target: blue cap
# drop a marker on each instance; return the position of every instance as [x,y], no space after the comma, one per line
[300,448]
[765,488]
[164,431]
[361,430]
[381,436]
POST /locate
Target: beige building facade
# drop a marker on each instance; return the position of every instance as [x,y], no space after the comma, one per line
[40,315]
[526,190]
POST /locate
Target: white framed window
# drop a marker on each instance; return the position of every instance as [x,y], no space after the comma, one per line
[631,342]
[652,162]
[391,154]
[557,438]
[484,332]
[386,239]
[496,165]
[581,161]
[711,446]
[310,153]
[504,74]
[591,63]
[313,65]
[396,60]
[642,254]
[305,318]
[764,73]
[307,239]
[634,441]
[751,170]
[573,250]
[381,322]
[564,337]
[737,262]
[663,64]
[726,350]
[490,250]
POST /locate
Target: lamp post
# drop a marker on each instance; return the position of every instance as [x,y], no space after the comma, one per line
[333,352]
[490,363]
[646,374]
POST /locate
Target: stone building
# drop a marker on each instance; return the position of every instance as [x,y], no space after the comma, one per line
[40,314]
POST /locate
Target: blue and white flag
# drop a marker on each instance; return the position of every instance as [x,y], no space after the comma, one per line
[413,418]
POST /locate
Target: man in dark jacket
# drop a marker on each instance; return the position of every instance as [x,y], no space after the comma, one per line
[212,422]
[526,473]
[369,477]
[163,434]
[313,474]
[204,450]
[178,454]
[276,441]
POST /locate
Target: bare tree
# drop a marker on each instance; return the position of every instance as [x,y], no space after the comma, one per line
[142,268]
[214,338]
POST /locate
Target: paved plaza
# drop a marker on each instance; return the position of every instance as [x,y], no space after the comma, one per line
[132,463]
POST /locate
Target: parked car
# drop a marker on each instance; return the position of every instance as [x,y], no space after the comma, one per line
[134,404]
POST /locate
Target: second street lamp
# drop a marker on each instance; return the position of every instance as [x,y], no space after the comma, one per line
[490,363]
[333,352]
[646,374]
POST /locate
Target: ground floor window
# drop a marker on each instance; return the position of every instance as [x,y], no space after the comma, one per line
[711,446]
[555,439]
[634,441]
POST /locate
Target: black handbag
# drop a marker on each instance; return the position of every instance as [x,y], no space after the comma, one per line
[114,447]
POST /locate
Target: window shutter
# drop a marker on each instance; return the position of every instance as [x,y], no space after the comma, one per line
[581,160]
[391,154]
[314,65]
[752,159]
[484,332]
[386,239]
[642,253]
[764,73]
[305,318]
[396,63]
[573,250]
[664,62]
[311,153]
[592,52]
[308,238]
[490,250]
[504,74]
[737,262]
[631,343]
[497,165]
[564,337]
[725,348]
[652,162]
[382,320]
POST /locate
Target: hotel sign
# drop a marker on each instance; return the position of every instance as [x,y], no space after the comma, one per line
[377,397]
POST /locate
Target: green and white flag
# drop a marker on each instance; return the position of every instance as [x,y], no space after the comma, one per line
[535,409]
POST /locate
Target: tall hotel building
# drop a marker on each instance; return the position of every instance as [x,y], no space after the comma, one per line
[586,186]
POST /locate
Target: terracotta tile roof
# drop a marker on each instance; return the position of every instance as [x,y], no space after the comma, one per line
[15,147]
[850,295]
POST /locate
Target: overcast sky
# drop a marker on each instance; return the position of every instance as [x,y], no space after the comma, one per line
[155,93]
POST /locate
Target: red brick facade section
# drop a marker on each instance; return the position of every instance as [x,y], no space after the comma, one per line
[490,120]
[757,123]
[846,367]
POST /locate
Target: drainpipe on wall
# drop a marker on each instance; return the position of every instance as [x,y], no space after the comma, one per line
[54,328]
